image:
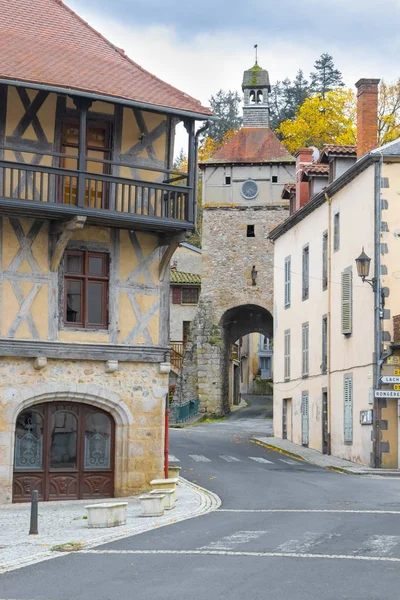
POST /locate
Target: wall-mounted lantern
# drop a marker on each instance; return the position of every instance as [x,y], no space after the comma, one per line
[363,263]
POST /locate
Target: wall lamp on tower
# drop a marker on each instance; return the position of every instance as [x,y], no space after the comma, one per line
[363,263]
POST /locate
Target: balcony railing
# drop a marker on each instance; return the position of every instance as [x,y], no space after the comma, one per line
[85,192]
[177,355]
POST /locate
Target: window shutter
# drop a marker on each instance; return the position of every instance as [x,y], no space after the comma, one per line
[306,267]
[324,364]
[348,407]
[176,295]
[324,260]
[287,354]
[304,345]
[287,281]
[304,418]
[347,302]
[336,231]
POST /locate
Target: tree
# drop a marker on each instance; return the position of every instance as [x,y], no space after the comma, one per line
[226,106]
[286,97]
[322,120]
[389,112]
[326,77]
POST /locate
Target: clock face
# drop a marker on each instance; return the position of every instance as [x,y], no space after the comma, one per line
[249,189]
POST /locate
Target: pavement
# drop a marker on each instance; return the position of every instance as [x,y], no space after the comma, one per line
[287,529]
[64,522]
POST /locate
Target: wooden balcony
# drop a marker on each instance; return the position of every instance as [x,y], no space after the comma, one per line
[159,203]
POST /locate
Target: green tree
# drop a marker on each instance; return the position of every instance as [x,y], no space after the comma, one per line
[226,106]
[285,99]
[325,77]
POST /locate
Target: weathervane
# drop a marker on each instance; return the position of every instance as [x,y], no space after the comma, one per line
[256,49]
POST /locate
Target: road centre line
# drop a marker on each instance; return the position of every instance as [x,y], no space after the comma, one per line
[309,510]
[248,553]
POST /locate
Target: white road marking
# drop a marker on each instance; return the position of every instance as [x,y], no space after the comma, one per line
[229,458]
[380,544]
[260,460]
[172,458]
[231,541]
[288,461]
[309,510]
[249,553]
[199,458]
[308,541]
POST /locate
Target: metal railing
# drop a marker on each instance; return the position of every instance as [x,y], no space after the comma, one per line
[56,185]
[182,412]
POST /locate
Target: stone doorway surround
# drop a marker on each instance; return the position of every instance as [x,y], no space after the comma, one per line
[18,399]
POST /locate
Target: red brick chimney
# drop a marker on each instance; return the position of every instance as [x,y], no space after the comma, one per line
[367,115]
[303,157]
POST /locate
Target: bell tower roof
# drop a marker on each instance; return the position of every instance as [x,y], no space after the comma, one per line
[256,77]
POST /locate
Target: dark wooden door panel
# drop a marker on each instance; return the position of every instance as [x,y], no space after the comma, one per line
[63,486]
[98,485]
[24,484]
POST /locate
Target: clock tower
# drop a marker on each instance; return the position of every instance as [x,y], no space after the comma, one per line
[242,189]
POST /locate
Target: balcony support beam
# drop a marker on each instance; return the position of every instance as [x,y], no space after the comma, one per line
[173,243]
[190,128]
[64,231]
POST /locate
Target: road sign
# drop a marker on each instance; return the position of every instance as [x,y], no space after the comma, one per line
[387,394]
[396,371]
[393,360]
[396,387]
[390,379]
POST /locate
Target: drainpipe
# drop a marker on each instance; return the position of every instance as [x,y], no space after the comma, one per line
[377,313]
[166,440]
[328,333]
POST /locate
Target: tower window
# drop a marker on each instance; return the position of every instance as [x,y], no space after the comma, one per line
[227,181]
[252,97]
[250,231]
[260,97]
[274,178]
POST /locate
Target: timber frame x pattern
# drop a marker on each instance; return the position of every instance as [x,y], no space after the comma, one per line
[151,195]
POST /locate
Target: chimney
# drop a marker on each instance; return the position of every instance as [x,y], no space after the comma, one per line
[304,157]
[367,115]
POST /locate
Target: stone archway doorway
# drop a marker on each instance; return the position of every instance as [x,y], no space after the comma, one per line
[236,323]
[65,450]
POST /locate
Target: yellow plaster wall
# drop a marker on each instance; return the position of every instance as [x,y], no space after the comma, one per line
[92,234]
[389,414]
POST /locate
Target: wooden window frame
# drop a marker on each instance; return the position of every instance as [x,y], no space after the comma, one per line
[85,278]
[191,289]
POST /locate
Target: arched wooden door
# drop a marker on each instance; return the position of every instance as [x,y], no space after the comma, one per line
[65,451]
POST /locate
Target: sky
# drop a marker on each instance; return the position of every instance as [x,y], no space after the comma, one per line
[203,46]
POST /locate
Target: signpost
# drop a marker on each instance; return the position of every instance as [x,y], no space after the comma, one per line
[387,393]
[390,379]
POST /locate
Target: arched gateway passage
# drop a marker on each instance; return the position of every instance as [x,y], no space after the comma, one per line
[65,451]
[236,323]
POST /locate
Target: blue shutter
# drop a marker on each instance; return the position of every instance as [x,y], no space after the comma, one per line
[348,408]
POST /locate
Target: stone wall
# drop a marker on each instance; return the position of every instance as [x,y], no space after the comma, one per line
[228,258]
[134,395]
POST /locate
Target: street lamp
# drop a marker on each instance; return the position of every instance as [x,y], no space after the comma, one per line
[363,263]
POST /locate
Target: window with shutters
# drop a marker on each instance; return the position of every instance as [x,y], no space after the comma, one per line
[287,354]
[348,408]
[336,232]
[304,418]
[287,281]
[176,294]
[324,260]
[306,273]
[324,363]
[190,295]
[347,302]
[304,349]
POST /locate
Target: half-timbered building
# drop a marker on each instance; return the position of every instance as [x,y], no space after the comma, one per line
[90,214]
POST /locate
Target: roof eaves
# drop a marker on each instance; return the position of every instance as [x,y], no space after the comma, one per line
[106,98]
[363,163]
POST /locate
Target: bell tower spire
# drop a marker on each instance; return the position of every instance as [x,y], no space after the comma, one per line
[256,88]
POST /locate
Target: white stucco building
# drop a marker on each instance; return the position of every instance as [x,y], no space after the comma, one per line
[334,334]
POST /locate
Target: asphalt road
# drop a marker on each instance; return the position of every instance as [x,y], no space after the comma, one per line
[286,530]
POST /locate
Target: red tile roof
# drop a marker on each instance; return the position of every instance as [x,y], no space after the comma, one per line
[288,190]
[252,145]
[44,41]
[315,170]
[337,150]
